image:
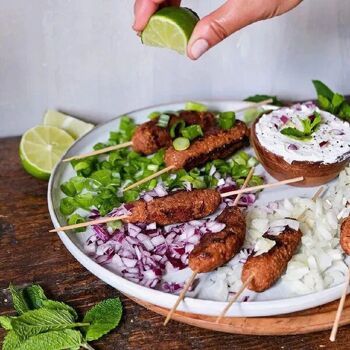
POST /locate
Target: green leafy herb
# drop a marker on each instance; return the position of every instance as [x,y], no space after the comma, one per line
[103,317]
[192,132]
[310,125]
[332,102]
[227,120]
[260,98]
[52,325]
[18,300]
[54,340]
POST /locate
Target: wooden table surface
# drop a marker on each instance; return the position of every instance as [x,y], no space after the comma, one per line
[28,253]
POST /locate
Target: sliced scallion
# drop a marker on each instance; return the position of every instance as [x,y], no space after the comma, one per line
[177,127]
[154,115]
[181,143]
[227,120]
[192,132]
[195,106]
[163,120]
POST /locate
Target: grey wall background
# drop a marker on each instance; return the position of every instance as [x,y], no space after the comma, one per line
[81,56]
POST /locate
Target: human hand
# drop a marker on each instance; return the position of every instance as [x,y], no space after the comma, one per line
[218,25]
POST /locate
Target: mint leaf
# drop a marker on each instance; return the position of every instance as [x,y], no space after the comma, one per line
[323,89]
[103,317]
[316,122]
[295,134]
[55,340]
[35,296]
[18,300]
[57,305]
[5,322]
[42,320]
[260,98]
[11,341]
[324,103]
[337,100]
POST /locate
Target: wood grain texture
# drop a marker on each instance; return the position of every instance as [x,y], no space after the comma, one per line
[28,253]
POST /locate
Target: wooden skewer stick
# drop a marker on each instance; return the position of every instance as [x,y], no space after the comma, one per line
[128,144]
[231,302]
[88,223]
[261,187]
[149,178]
[189,282]
[238,192]
[245,284]
[340,309]
[100,151]
[181,297]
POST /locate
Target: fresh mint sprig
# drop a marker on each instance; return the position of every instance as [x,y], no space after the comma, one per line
[332,102]
[310,125]
[47,324]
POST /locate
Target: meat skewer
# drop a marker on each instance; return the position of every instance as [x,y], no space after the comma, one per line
[261,272]
[150,137]
[176,207]
[345,244]
[216,249]
[216,144]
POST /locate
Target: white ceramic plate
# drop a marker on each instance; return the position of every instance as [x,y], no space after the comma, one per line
[271,302]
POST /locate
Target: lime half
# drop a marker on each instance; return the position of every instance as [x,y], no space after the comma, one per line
[73,126]
[41,148]
[170,27]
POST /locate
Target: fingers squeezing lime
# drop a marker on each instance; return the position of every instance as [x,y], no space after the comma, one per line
[170,27]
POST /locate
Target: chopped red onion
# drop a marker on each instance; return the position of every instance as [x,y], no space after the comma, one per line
[293,147]
[284,119]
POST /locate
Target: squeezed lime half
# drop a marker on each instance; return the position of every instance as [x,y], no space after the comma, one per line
[170,27]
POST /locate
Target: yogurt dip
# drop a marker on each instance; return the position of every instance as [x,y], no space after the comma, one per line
[329,144]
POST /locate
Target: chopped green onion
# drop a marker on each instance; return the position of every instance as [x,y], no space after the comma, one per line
[76,219]
[252,162]
[154,115]
[115,225]
[195,106]
[181,143]
[163,120]
[178,125]
[68,205]
[153,167]
[192,132]
[227,120]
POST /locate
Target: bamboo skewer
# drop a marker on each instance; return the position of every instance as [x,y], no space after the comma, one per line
[181,297]
[88,223]
[100,151]
[245,284]
[340,308]
[149,178]
[223,195]
[128,144]
[238,294]
[194,274]
[261,187]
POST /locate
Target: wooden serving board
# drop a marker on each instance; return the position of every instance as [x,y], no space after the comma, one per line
[312,320]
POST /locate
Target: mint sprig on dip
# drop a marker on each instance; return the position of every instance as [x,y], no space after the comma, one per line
[332,102]
[47,324]
[310,125]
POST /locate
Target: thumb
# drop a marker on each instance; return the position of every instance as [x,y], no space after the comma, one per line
[218,25]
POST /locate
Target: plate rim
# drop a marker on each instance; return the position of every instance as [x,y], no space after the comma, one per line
[163,299]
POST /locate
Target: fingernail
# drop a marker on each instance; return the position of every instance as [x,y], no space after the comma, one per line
[199,47]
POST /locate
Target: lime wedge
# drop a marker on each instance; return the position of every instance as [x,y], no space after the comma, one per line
[75,127]
[170,27]
[41,148]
